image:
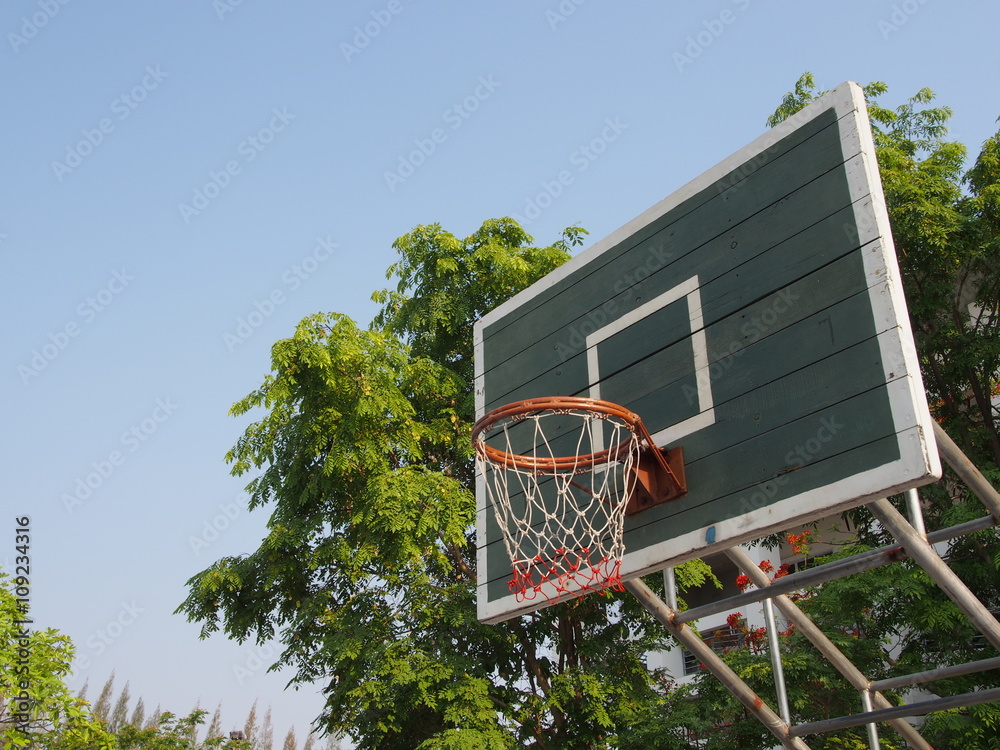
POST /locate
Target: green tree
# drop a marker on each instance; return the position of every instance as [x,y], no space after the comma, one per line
[174,733]
[192,727]
[37,709]
[367,575]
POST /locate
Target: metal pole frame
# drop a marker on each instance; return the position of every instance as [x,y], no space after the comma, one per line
[825,646]
[914,543]
[714,664]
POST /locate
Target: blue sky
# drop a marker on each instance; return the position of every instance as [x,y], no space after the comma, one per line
[182,182]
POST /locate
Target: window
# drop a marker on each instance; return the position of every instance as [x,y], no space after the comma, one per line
[720,640]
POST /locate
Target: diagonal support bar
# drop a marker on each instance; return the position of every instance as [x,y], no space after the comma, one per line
[967,471]
[825,646]
[925,556]
[829,571]
[690,640]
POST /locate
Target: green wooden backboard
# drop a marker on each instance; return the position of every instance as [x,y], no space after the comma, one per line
[754,317]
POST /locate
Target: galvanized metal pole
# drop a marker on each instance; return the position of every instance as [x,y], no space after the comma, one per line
[908,709]
[825,646]
[940,673]
[925,556]
[829,571]
[916,512]
[866,704]
[670,586]
[690,640]
[776,666]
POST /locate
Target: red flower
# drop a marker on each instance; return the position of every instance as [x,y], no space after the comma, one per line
[799,542]
[743,582]
[765,566]
[783,571]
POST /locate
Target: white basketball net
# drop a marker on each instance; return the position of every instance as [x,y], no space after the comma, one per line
[563,526]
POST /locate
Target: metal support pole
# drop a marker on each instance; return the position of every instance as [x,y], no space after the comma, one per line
[916,512]
[814,576]
[872,729]
[825,646]
[925,556]
[967,471]
[776,666]
[910,709]
[670,586]
[940,673]
[689,639]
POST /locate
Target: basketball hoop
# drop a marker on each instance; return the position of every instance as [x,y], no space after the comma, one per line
[562,473]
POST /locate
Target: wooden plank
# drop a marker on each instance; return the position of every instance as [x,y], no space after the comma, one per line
[727,283]
[683,228]
[815,148]
[817,449]
[773,372]
[761,414]
[776,335]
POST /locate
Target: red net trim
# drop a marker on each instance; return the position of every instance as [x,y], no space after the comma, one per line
[568,572]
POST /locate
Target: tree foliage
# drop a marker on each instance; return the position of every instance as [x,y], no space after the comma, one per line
[37,709]
[367,575]
[175,733]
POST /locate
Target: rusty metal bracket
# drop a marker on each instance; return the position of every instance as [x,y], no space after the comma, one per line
[660,478]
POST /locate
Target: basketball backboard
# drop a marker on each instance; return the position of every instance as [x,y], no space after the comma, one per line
[754,317]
